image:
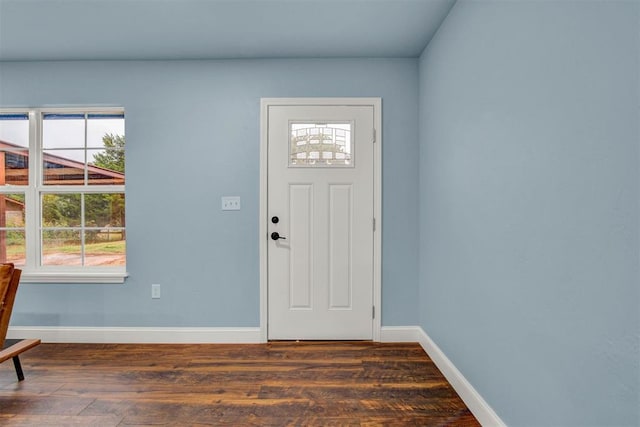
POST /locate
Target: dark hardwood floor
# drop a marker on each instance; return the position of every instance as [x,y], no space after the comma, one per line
[275,384]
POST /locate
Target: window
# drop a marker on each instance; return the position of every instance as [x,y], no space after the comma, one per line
[320,145]
[62,194]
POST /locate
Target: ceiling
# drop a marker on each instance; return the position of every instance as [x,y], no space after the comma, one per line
[32,30]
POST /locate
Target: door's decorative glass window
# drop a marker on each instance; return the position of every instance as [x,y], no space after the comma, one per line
[320,145]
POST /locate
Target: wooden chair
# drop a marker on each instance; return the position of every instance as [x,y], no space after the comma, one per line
[11,349]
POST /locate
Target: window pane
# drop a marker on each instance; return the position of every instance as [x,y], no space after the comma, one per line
[63,167]
[12,210]
[14,130]
[61,247]
[106,166]
[61,210]
[105,247]
[12,243]
[320,145]
[14,167]
[63,131]
[14,160]
[12,246]
[79,143]
[102,229]
[105,129]
[104,210]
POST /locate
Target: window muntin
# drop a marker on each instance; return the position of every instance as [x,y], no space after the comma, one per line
[63,218]
[316,144]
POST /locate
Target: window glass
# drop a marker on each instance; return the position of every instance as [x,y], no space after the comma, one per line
[83,229]
[81,149]
[14,129]
[61,210]
[320,145]
[61,247]
[12,225]
[14,144]
[63,131]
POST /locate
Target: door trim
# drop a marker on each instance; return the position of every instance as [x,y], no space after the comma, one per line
[376,103]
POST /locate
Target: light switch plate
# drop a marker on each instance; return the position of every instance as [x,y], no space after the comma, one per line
[231,203]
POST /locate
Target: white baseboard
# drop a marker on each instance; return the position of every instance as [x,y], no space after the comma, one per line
[476,404]
[400,333]
[144,335]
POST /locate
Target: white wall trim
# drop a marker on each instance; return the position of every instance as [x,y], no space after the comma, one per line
[476,404]
[400,334]
[138,335]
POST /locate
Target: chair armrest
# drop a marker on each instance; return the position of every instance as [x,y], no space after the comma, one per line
[17,348]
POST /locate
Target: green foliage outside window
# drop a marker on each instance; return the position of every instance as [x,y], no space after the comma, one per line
[113,156]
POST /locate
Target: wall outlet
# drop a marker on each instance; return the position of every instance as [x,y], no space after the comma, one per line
[155,291]
[231,203]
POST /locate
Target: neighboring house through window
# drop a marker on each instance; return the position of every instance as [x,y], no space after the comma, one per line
[62,194]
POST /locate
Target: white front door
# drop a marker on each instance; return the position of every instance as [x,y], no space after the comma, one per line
[320,210]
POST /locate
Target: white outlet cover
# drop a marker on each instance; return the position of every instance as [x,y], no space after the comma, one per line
[231,203]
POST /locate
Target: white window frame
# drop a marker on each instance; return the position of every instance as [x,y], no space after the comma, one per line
[33,271]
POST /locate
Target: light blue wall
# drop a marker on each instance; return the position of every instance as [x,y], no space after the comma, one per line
[529,216]
[192,136]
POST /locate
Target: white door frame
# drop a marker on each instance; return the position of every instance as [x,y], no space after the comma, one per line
[263,240]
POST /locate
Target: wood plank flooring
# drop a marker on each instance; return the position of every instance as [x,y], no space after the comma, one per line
[274,384]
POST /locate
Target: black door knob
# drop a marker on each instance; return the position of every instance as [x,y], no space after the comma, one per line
[275,219]
[275,236]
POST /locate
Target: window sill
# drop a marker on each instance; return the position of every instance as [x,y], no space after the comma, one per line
[73,277]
